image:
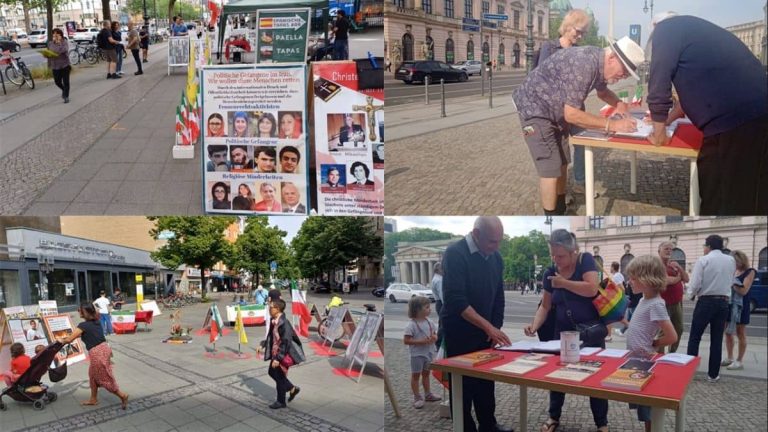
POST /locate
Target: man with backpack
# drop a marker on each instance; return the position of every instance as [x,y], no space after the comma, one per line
[107,44]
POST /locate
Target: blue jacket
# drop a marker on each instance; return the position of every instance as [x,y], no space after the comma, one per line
[721,84]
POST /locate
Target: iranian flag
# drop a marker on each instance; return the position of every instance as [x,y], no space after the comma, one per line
[185,135]
[217,325]
[214,13]
[194,122]
[179,121]
[299,308]
[251,314]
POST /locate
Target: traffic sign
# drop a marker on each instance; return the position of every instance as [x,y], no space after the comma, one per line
[470,28]
[273,266]
[470,21]
[500,17]
[489,24]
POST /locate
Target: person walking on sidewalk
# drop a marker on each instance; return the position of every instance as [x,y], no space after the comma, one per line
[711,282]
[282,349]
[60,65]
[133,45]
[144,43]
[739,316]
[107,43]
[473,312]
[420,335]
[100,366]
[117,35]
[103,305]
[341,34]
[673,295]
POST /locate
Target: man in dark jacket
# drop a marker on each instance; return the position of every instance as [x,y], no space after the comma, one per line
[473,312]
[723,90]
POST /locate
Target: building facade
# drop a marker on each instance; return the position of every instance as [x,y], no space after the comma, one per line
[86,13]
[621,238]
[415,261]
[753,35]
[434,30]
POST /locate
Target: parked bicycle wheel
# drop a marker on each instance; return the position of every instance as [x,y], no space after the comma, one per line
[14,76]
[322,330]
[90,56]
[27,76]
[74,57]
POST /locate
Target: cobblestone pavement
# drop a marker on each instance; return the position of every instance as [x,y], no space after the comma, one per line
[733,404]
[485,168]
[186,388]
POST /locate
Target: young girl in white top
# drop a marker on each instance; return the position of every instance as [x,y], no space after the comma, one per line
[648,276]
[420,336]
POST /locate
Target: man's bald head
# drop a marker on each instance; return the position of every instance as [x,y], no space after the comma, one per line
[487,233]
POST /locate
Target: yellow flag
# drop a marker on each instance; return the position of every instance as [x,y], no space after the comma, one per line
[240,328]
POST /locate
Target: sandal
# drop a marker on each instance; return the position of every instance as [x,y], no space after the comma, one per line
[89,403]
[550,425]
[124,402]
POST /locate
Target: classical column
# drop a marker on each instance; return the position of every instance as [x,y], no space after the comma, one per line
[403,271]
[431,270]
[425,277]
[416,272]
[409,273]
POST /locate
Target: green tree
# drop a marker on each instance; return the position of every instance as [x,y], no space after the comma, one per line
[198,241]
[163,8]
[327,243]
[258,246]
[518,255]
[591,38]
[410,235]
[26,5]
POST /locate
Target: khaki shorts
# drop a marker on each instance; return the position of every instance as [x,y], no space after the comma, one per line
[548,145]
[111,55]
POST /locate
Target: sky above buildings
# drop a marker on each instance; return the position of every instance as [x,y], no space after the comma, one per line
[290,224]
[721,12]
[460,225]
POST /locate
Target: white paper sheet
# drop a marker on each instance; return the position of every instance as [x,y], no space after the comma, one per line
[615,353]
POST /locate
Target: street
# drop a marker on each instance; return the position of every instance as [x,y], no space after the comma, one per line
[399,93]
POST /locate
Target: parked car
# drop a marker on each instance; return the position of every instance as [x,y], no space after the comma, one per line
[413,71]
[471,67]
[86,35]
[18,32]
[9,45]
[38,37]
[320,287]
[758,293]
[403,292]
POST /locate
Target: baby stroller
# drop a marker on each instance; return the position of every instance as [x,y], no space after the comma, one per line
[28,387]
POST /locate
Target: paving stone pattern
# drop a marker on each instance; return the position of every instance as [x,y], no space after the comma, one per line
[733,404]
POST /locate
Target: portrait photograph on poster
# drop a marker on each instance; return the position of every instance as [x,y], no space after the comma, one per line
[346,132]
[334,178]
[29,332]
[360,173]
[61,326]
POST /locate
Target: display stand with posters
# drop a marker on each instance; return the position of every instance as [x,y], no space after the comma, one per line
[59,326]
[254,127]
[282,35]
[17,326]
[369,329]
[48,307]
[178,52]
[348,132]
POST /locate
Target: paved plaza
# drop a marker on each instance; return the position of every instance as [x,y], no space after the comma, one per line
[475,161]
[187,388]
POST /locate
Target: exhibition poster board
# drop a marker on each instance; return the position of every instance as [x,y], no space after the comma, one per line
[61,325]
[254,125]
[48,307]
[349,142]
[178,52]
[282,35]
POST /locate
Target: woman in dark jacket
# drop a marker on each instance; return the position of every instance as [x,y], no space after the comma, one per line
[60,65]
[119,48]
[282,349]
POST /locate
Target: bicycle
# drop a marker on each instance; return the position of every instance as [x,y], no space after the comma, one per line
[17,72]
[76,54]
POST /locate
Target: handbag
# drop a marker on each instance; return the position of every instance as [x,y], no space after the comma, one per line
[593,333]
[611,300]
[287,361]
[368,76]
[58,373]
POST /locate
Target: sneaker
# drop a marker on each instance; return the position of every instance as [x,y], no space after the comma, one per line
[618,332]
[119,72]
[713,380]
[116,76]
[609,339]
[66,100]
[146,61]
[138,73]
[418,403]
[726,362]
[277,405]
[432,398]
[735,366]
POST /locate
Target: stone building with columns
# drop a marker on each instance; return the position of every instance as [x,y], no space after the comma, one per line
[415,261]
[753,35]
[432,29]
[621,238]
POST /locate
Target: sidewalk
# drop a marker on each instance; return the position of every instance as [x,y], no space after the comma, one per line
[186,388]
[475,161]
[108,152]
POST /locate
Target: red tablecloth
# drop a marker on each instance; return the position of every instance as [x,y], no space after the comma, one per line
[669,381]
[686,137]
[143,316]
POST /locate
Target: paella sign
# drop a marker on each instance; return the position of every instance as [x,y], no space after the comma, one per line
[282,35]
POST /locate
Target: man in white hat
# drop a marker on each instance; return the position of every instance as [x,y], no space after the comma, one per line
[722,88]
[549,101]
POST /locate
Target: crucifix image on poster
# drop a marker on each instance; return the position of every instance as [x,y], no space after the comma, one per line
[370,109]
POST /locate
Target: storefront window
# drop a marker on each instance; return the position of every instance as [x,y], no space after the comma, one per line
[10,290]
[98,281]
[61,287]
[37,291]
[128,285]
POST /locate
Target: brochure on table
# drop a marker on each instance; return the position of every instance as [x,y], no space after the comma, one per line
[349,142]
[241,159]
[61,325]
[524,364]
[578,371]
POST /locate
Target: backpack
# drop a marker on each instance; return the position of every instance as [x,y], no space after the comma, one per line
[102,40]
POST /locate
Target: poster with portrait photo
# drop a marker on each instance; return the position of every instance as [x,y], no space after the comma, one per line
[178,51]
[346,132]
[29,332]
[333,178]
[61,326]
[253,102]
[345,129]
[220,192]
[216,126]
[267,198]
[359,175]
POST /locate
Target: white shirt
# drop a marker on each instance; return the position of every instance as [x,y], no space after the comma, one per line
[33,334]
[617,278]
[102,304]
[437,287]
[713,275]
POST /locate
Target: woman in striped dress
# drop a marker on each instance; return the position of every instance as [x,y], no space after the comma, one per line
[100,369]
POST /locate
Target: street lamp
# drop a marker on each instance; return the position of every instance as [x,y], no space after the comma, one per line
[146,18]
[548,221]
[529,40]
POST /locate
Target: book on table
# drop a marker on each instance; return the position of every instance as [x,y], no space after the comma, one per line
[524,364]
[634,374]
[679,359]
[578,371]
[476,358]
